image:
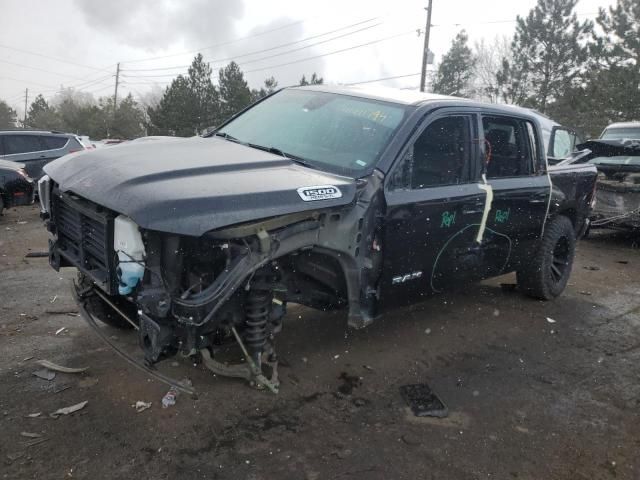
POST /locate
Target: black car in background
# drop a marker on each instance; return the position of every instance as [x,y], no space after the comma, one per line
[36,148]
[16,187]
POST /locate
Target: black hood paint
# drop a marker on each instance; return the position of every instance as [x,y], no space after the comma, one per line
[194,185]
[9,165]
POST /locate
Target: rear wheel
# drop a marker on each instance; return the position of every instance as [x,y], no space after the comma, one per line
[103,311]
[546,276]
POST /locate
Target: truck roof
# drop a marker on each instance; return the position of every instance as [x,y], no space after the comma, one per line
[416,98]
[623,125]
[394,95]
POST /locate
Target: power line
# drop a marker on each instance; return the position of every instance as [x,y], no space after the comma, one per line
[41,70]
[492,22]
[25,81]
[282,27]
[255,60]
[220,60]
[332,53]
[353,47]
[382,79]
[50,57]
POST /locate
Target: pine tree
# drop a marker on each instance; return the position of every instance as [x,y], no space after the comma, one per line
[130,118]
[315,80]
[548,54]
[270,86]
[610,88]
[456,70]
[42,115]
[7,115]
[234,91]
[206,98]
[176,112]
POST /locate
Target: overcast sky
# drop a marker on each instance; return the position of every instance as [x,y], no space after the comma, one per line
[78,42]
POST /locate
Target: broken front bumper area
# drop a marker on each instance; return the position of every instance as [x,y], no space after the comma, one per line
[152,336]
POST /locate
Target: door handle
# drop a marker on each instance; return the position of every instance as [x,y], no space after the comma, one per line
[471,208]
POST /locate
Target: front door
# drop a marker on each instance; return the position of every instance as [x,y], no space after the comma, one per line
[433,210]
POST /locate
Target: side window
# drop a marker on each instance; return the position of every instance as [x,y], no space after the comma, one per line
[440,155]
[21,144]
[509,147]
[53,143]
[563,143]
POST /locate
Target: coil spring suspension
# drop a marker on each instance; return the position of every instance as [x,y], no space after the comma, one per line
[257,312]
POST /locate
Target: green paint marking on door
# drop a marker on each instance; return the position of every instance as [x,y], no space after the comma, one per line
[502,216]
[448,219]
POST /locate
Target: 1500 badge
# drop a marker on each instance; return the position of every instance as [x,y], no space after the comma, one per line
[319,192]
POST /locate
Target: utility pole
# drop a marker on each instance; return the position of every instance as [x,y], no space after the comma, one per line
[26,101]
[425,52]
[115,94]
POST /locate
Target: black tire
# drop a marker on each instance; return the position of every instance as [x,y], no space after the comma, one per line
[546,276]
[103,312]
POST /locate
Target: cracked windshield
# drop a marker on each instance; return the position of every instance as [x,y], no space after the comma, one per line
[338,240]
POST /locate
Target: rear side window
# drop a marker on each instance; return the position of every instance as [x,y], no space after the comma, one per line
[508,146]
[53,143]
[14,144]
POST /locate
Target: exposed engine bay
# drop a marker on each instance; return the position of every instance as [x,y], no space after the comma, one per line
[192,295]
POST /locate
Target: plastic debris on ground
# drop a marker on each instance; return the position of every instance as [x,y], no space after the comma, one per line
[45,374]
[169,398]
[69,410]
[34,415]
[30,435]
[141,406]
[60,330]
[550,320]
[59,368]
[423,401]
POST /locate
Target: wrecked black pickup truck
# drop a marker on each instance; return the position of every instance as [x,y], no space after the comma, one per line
[362,199]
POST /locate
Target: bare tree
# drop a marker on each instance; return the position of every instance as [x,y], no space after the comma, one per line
[489,58]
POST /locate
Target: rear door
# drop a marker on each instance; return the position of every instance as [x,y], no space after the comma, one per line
[57,146]
[433,209]
[516,171]
[27,149]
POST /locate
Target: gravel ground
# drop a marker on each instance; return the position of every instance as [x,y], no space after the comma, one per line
[528,399]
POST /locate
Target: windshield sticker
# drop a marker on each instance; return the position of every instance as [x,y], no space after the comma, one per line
[319,192]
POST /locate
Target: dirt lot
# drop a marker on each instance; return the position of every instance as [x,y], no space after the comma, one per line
[528,399]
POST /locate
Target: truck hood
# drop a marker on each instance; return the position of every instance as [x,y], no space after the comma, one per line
[195,185]
[9,165]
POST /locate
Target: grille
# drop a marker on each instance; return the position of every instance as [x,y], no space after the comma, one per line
[85,238]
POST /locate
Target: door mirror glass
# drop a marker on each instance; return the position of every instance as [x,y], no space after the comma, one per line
[563,143]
